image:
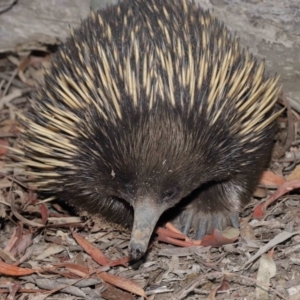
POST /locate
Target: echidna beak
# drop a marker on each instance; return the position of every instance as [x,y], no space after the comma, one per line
[146,215]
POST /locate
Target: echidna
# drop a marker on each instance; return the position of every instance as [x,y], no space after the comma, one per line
[146,104]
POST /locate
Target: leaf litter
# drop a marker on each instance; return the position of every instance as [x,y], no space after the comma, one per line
[47,252]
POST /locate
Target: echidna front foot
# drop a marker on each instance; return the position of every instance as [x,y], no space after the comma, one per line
[204,222]
[216,206]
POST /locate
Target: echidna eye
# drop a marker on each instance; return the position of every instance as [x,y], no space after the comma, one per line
[169,193]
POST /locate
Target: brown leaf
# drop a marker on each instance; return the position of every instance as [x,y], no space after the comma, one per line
[174,237]
[170,233]
[218,238]
[17,233]
[90,249]
[44,212]
[171,227]
[119,262]
[169,240]
[259,211]
[11,270]
[22,244]
[18,215]
[112,293]
[123,283]
[270,178]
[288,186]
[74,268]
[3,147]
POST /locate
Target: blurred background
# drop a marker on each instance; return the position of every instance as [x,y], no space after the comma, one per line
[270,28]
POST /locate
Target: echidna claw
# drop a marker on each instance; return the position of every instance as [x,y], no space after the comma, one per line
[204,223]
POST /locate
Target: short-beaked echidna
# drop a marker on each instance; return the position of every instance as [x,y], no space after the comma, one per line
[147,103]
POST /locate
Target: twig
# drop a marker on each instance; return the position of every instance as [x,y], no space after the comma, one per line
[15,94]
[290,130]
[184,292]
[19,84]
[13,75]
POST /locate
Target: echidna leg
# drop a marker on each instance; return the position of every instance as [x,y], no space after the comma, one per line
[205,223]
[215,207]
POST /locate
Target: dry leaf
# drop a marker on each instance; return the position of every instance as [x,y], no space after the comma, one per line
[288,186]
[231,233]
[123,283]
[270,178]
[173,237]
[3,147]
[281,237]
[53,249]
[74,268]
[52,284]
[90,249]
[267,270]
[260,192]
[295,174]
[218,238]
[11,270]
[112,293]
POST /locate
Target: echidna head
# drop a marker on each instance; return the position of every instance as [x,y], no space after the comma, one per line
[151,160]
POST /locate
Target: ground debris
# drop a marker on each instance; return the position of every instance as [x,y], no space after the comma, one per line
[48,253]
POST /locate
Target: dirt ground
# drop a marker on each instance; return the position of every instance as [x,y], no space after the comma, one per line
[47,252]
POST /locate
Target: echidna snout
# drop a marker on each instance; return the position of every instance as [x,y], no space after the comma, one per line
[146,104]
[146,214]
